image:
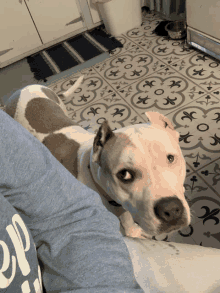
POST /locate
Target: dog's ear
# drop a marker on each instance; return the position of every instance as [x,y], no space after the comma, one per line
[103,135]
[162,121]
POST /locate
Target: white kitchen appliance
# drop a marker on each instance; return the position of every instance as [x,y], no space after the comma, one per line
[203,25]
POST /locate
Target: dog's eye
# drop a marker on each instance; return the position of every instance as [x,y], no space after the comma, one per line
[170,158]
[125,176]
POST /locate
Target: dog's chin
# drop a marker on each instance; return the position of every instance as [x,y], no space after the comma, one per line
[161,234]
[160,231]
[170,231]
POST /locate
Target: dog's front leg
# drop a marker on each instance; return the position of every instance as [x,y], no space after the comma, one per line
[131,228]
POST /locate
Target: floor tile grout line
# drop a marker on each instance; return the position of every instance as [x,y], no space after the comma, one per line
[191,170]
[206,165]
[193,241]
[204,181]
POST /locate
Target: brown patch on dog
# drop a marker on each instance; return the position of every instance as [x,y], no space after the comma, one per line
[45,116]
[11,107]
[64,150]
[50,94]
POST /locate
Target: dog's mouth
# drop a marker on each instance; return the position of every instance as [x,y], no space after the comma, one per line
[171,229]
[162,229]
[168,229]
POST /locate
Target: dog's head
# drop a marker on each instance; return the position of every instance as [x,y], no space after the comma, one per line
[142,168]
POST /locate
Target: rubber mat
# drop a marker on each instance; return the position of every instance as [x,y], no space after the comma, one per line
[72,52]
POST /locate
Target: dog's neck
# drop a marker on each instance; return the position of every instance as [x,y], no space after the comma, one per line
[99,188]
[96,176]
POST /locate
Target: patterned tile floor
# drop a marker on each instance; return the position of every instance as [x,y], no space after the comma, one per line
[152,73]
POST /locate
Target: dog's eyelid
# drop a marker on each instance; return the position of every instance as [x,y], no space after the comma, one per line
[129,170]
[135,173]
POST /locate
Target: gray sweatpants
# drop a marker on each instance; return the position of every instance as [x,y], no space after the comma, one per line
[78,243]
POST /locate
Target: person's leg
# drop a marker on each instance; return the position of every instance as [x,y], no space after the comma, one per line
[19,268]
[78,241]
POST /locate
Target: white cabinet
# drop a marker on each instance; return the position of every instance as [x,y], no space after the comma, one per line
[17,31]
[93,7]
[29,26]
[55,18]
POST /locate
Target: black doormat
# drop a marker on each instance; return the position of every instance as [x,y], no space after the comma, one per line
[72,52]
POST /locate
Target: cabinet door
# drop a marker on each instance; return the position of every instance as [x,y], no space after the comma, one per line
[17,30]
[55,18]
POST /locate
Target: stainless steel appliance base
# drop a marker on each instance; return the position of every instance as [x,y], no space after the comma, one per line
[201,41]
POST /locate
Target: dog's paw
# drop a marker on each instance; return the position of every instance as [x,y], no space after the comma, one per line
[135,231]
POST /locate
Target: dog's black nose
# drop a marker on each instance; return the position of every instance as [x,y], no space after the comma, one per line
[169,210]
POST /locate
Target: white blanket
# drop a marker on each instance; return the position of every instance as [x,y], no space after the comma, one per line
[173,267]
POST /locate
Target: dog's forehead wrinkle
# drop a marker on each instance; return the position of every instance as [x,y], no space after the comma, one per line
[146,138]
[160,146]
[124,139]
[115,147]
